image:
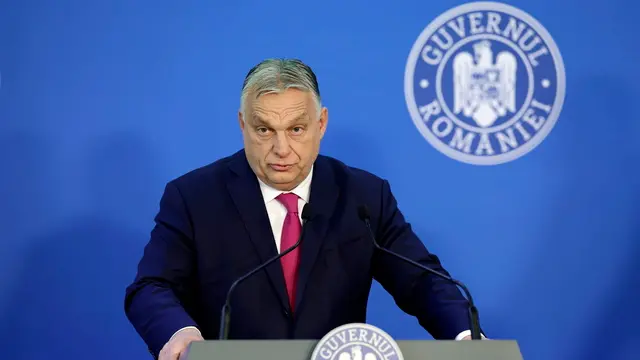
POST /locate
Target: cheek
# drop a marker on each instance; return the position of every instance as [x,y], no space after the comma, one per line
[303,149]
[259,145]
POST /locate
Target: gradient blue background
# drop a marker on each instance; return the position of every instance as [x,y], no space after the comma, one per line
[103,102]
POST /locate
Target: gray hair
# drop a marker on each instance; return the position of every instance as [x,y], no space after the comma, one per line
[278,75]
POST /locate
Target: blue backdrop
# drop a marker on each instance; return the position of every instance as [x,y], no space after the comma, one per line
[103,102]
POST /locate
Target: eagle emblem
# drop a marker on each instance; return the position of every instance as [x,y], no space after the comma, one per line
[356,354]
[484,91]
[356,341]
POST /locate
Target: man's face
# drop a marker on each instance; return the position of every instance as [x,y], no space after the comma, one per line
[282,136]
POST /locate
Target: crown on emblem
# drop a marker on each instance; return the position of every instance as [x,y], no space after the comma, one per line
[484,44]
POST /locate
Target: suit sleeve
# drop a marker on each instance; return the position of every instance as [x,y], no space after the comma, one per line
[154,302]
[437,304]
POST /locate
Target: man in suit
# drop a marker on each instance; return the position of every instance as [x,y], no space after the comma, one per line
[220,221]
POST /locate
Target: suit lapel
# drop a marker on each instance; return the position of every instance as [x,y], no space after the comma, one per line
[245,192]
[323,197]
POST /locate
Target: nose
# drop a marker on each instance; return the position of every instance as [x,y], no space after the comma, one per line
[281,145]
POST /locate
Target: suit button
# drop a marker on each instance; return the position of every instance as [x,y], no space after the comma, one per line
[286,312]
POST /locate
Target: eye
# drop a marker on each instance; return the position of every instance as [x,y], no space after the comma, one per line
[262,130]
[297,130]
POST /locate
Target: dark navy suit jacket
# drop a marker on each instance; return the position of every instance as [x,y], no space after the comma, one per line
[213,227]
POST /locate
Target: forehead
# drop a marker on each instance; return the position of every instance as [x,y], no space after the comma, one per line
[288,102]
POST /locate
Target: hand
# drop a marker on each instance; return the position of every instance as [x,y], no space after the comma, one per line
[468,337]
[176,347]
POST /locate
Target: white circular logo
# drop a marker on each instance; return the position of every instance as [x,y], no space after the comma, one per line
[357,342]
[484,83]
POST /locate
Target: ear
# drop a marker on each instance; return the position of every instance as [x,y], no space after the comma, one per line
[324,120]
[241,121]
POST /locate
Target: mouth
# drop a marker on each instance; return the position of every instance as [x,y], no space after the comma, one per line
[278,167]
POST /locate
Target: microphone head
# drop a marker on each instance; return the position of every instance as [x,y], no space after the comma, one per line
[363,212]
[307,212]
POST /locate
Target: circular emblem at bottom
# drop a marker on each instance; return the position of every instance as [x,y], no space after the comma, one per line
[357,341]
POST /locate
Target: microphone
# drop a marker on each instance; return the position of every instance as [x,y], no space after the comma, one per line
[363,213]
[225,318]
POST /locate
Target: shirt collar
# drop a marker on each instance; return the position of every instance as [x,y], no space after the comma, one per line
[302,190]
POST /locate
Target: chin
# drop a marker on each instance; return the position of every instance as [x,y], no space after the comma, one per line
[282,177]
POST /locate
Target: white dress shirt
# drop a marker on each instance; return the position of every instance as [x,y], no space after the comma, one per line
[277,212]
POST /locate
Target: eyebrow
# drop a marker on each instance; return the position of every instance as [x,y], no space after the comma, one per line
[259,121]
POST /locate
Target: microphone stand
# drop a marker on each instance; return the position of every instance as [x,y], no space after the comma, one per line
[472,312]
[225,317]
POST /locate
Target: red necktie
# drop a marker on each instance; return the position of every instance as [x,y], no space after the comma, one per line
[290,234]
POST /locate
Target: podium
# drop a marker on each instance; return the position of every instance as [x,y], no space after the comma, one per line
[303,349]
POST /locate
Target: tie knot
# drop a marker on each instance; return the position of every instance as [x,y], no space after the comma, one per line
[290,201]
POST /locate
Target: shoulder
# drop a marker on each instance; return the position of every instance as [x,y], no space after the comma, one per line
[206,177]
[354,179]
[344,170]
